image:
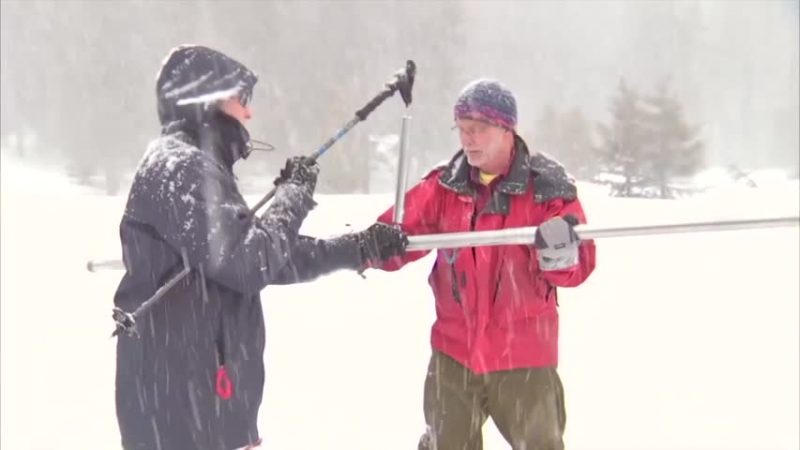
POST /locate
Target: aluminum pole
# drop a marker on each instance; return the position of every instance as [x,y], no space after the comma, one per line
[110,264]
[402,173]
[525,235]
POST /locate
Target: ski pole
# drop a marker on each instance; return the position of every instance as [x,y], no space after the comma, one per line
[403,82]
[526,235]
[126,322]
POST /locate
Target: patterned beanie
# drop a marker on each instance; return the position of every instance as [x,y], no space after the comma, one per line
[489,101]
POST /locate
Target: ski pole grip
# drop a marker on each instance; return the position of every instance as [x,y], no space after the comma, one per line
[403,82]
[369,107]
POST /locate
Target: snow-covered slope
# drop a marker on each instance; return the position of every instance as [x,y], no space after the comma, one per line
[676,342]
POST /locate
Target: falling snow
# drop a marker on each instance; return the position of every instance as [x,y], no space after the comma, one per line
[651,346]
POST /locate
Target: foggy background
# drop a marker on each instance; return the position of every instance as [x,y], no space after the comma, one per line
[681,341]
[78,80]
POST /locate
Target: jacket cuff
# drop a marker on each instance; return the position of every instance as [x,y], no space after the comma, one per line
[345,252]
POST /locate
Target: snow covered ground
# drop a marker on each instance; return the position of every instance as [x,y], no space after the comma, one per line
[676,342]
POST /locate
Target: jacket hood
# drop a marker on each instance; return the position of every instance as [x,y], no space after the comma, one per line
[191,81]
[193,78]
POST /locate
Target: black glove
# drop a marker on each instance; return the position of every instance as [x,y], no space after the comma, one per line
[557,243]
[380,242]
[299,170]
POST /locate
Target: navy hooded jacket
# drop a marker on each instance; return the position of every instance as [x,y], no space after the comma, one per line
[194,376]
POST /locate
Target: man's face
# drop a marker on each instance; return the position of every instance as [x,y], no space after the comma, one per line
[487,146]
[234,108]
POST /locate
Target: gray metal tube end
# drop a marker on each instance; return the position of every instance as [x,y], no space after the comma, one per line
[402,173]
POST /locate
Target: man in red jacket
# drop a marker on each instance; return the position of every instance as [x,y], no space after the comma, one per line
[495,339]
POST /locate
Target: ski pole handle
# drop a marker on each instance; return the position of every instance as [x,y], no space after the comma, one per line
[362,113]
[403,82]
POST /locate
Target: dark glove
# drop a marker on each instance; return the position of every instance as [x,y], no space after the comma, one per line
[299,170]
[380,242]
[557,243]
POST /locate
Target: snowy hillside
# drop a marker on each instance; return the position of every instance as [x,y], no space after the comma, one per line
[675,342]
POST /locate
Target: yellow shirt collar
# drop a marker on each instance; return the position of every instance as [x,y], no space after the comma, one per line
[486,178]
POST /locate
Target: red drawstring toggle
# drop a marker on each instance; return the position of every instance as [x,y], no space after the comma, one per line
[224,385]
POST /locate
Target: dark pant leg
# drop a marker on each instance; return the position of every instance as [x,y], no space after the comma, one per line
[527,405]
[454,404]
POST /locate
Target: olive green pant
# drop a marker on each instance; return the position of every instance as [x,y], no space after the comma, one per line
[526,405]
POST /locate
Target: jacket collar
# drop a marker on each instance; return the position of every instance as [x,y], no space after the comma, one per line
[550,179]
[456,175]
[221,137]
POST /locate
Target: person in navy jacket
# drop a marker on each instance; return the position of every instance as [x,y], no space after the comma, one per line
[193,377]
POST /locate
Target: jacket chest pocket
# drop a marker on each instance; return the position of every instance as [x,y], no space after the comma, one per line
[449,286]
[521,290]
[458,277]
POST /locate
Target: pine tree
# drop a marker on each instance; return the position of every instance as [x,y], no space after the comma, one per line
[546,131]
[624,143]
[567,137]
[675,148]
[576,140]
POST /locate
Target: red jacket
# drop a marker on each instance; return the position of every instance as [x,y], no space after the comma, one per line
[495,310]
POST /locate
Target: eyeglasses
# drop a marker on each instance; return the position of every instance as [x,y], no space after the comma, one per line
[472,129]
[245,96]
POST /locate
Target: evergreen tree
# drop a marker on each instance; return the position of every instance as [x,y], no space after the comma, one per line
[546,131]
[623,148]
[675,148]
[568,137]
[576,140]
